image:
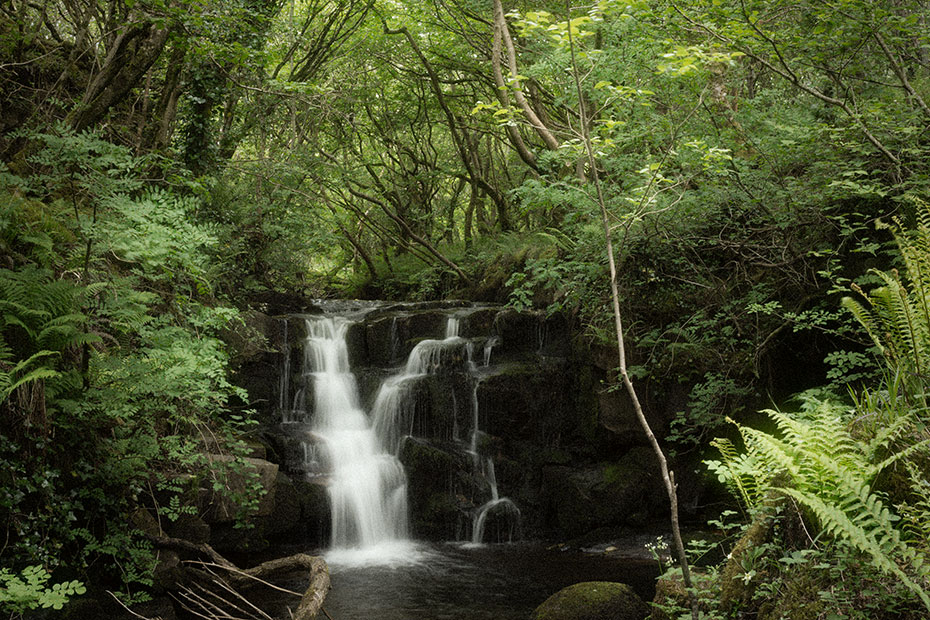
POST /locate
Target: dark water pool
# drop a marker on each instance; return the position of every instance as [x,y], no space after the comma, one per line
[459,582]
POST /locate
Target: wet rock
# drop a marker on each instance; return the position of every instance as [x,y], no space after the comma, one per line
[87,607]
[519,332]
[142,520]
[523,400]
[313,499]
[169,571]
[539,418]
[226,538]
[480,322]
[384,337]
[285,516]
[436,486]
[188,527]
[611,494]
[671,598]
[593,600]
[255,360]
[357,345]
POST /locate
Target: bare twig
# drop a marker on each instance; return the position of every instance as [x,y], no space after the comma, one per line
[123,605]
[668,476]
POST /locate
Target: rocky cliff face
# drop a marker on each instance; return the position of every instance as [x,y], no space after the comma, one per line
[518,411]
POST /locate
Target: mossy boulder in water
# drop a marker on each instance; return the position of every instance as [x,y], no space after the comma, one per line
[593,600]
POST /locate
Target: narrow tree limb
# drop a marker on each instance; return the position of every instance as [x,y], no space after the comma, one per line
[406,228]
[311,600]
[901,73]
[500,26]
[454,126]
[504,97]
[668,476]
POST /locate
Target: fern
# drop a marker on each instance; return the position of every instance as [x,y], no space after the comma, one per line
[741,473]
[916,514]
[897,314]
[831,473]
[21,374]
[38,321]
[864,536]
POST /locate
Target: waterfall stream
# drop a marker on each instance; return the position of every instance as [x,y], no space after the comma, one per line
[367,485]
[356,454]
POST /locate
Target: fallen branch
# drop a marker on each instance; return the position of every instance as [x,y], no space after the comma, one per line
[235,578]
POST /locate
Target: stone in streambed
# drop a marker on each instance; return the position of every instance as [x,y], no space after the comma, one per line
[593,600]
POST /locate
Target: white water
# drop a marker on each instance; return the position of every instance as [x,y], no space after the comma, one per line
[358,455]
[496,503]
[367,486]
[488,347]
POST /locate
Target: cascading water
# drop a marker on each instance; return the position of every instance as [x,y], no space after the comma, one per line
[356,455]
[367,485]
[497,504]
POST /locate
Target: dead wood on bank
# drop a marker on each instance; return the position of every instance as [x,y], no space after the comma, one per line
[212,588]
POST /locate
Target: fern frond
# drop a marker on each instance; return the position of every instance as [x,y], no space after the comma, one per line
[881,550]
[779,455]
[866,318]
[741,473]
[20,374]
[915,514]
[885,435]
[907,452]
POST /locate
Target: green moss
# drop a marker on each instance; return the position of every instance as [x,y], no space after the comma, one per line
[735,590]
[798,600]
[593,600]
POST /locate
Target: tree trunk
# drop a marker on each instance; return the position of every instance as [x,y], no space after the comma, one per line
[135,50]
[500,24]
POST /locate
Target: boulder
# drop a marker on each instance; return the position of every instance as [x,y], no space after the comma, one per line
[188,527]
[593,600]
[671,598]
[313,499]
[223,504]
[169,571]
[285,516]
[142,520]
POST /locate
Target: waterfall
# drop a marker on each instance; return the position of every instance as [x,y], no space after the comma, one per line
[488,347]
[498,504]
[503,505]
[284,379]
[367,485]
[355,453]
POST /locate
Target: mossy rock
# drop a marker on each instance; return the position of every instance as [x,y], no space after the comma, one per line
[799,599]
[671,600]
[593,600]
[735,591]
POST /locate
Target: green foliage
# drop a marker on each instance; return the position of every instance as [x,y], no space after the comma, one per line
[156,235]
[112,372]
[831,473]
[29,589]
[745,152]
[897,317]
